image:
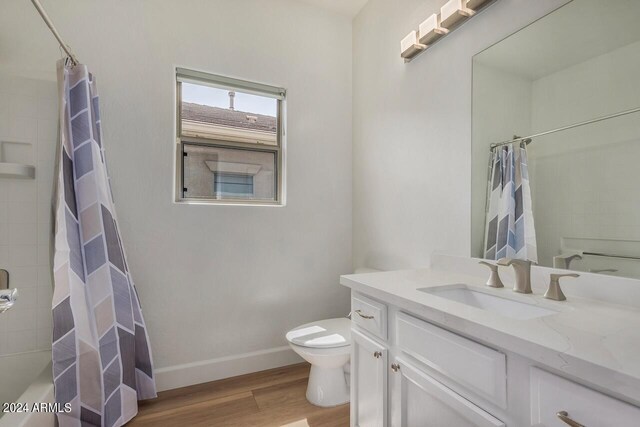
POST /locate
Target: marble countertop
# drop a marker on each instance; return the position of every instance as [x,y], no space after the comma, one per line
[591,340]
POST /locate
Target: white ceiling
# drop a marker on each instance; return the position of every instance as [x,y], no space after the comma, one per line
[345,7]
[581,30]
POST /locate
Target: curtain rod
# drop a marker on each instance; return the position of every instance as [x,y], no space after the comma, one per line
[47,20]
[575,125]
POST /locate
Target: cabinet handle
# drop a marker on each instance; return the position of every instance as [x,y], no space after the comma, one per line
[564,417]
[364,316]
[377,354]
[395,367]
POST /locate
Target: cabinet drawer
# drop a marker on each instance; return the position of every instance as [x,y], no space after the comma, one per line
[370,315]
[479,369]
[421,400]
[551,394]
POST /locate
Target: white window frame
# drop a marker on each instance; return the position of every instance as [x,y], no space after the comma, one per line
[227,138]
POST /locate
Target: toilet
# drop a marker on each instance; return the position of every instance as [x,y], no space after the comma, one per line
[326,345]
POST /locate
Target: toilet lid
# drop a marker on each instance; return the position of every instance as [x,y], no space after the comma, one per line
[328,333]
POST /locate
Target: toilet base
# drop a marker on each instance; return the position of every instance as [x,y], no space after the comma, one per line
[327,387]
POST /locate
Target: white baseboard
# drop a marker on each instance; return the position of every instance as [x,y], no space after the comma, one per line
[224,367]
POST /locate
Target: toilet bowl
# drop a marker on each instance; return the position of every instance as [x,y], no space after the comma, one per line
[326,345]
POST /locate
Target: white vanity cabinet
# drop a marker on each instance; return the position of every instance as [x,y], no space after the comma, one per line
[407,372]
[387,390]
[553,397]
[370,315]
[417,399]
[475,367]
[369,362]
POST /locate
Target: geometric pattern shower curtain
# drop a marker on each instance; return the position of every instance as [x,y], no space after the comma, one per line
[102,362]
[509,228]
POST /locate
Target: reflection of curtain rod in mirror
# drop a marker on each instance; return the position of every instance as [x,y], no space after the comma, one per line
[575,125]
[611,255]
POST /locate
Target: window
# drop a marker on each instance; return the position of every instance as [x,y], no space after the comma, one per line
[230,140]
[233,185]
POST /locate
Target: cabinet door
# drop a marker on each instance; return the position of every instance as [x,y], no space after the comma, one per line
[368,382]
[417,399]
[551,395]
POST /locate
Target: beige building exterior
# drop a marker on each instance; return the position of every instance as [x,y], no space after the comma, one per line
[213,172]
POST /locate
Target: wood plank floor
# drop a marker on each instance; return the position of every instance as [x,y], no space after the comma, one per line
[269,398]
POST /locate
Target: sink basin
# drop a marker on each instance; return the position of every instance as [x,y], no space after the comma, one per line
[489,302]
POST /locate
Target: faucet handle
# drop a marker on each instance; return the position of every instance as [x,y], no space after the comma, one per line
[493,267]
[494,277]
[564,261]
[555,292]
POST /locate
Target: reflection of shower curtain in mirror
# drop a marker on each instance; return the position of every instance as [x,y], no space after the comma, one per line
[509,229]
[102,361]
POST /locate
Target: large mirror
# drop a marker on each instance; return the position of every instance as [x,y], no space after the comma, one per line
[556,141]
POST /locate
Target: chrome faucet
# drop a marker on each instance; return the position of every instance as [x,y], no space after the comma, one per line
[522,269]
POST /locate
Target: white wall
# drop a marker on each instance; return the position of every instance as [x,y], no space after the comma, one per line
[599,86]
[412,130]
[586,177]
[28,114]
[215,281]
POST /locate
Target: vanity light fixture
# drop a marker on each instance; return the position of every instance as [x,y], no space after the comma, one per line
[453,12]
[410,47]
[430,30]
[475,4]
[438,25]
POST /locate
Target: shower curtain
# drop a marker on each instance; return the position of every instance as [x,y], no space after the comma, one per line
[509,229]
[102,362]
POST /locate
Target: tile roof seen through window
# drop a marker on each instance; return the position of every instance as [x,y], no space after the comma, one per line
[227,117]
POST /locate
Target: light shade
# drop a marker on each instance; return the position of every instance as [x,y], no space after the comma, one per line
[430,30]
[409,46]
[475,4]
[453,12]
[451,15]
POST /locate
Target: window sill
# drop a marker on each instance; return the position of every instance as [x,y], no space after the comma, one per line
[230,203]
